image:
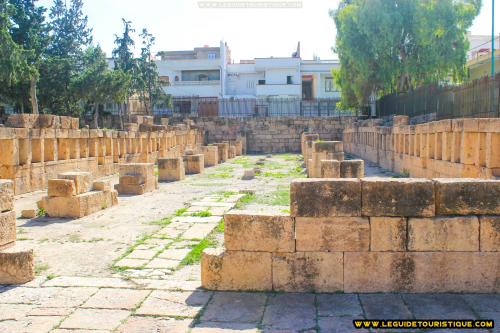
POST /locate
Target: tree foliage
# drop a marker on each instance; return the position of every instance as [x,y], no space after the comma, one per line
[397,45]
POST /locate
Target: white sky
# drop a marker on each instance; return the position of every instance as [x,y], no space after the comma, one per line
[250,33]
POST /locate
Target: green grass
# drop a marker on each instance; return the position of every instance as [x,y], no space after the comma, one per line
[40,212]
[244,162]
[220,227]
[280,197]
[194,255]
[180,211]
[222,175]
[163,222]
[204,213]
[40,268]
[245,200]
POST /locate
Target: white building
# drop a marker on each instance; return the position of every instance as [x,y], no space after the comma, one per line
[208,72]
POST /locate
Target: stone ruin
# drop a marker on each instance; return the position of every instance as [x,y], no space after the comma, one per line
[72,194]
[365,235]
[136,178]
[16,264]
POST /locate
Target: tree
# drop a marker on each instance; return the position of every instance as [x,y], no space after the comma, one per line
[69,36]
[30,32]
[14,67]
[149,87]
[97,84]
[395,46]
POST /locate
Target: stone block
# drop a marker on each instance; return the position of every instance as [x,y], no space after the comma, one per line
[248,174]
[7,227]
[223,150]
[16,266]
[388,234]
[330,169]
[490,233]
[211,155]
[443,234]
[28,213]
[83,180]
[236,270]
[352,169]
[421,272]
[397,197]
[328,146]
[6,195]
[171,169]
[61,188]
[194,164]
[325,197]
[266,233]
[458,196]
[146,170]
[79,205]
[232,152]
[332,234]
[308,272]
[102,185]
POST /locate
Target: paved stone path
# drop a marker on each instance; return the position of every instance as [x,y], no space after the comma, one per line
[153,284]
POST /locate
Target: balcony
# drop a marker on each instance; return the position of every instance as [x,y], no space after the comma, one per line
[196,83]
[279,90]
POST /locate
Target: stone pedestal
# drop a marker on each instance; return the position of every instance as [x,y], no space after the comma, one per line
[170,169]
[137,178]
[194,164]
[211,155]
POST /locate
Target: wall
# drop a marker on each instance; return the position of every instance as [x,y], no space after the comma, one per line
[447,148]
[273,134]
[32,152]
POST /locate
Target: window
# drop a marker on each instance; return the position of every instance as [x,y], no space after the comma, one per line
[211,55]
[262,82]
[329,85]
[250,84]
[289,79]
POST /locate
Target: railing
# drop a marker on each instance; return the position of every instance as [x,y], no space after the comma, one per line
[195,83]
[253,107]
[479,98]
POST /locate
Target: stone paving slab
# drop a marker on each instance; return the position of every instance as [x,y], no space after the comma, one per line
[112,298]
[95,319]
[394,307]
[78,281]
[131,262]
[174,303]
[30,324]
[139,324]
[199,231]
[290,312]
[235,308]
[339,305]
[168,284]
[214,327]
[174,254]
[197,219]
[438,306]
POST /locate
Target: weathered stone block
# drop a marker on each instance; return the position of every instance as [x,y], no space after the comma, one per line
[236,270]
[223,150]
[245,232]
[102,185]
[467,196]
[7,227]
[28,213]
[194,163]
[146,170]
[16,266]
[328,146]
[443,234]
[387,234]
[397,197]
[308,272]
[352,169]
[83,180]
[330,169]
[421,272]
[325,197]
[171,169]
[79,205]
[6,195]
[330,234]
[490,233]
[248,174]
[211,155]
[61,188]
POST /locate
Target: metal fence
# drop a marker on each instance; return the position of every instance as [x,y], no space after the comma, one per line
[253,107]
[479,98]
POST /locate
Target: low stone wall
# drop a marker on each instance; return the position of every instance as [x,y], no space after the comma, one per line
[366,235]
[41,147]
[273,134]
[445,148]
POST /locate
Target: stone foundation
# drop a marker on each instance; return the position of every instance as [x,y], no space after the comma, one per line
[194,164]
[366,235]
[211,155]
[16,264]
[136,178]
[171,169]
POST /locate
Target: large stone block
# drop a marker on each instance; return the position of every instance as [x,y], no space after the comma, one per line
[490,233]
[83,180]
[443,234]
[146,170]
[330,169]
[352,169]
[171,169]
[61,188]
[236,270]
[79,205]
[7,227]
[194,163]
[397,197]
[211,155]
[102,185]
[6,195]
[308,272]
[421,272]
[388,234]
[245,232]
[328,146]
[16,266]
[330,234]
[455,196]
[223,150]
[325,197]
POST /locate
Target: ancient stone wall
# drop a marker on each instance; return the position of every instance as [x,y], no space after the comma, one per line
[273,134]
[37,148]
[366,235]
[445,148]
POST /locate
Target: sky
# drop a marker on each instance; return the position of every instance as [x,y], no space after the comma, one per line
[249,33]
